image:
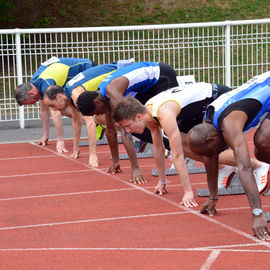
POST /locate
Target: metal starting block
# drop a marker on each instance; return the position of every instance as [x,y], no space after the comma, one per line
[191,167]
[99,142]
[148,153]
[102,141]
[234,188]
[267,193]
[267,216]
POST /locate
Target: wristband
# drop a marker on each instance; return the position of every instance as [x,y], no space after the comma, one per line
[213,198]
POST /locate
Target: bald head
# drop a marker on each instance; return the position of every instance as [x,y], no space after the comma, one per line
[204,139]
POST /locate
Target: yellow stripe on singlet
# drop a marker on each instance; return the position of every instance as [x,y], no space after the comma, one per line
[92,85]
[57,71]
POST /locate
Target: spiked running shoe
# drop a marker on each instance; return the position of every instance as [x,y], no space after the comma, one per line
[225,175]
[140,146]
[100,131]
[261,175]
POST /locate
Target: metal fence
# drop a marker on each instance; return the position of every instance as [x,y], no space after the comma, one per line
[227,52]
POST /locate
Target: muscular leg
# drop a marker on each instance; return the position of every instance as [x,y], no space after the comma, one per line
[262,141]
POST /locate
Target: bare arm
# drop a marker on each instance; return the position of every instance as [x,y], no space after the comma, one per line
[114,92]
[111,135]
[76,126]
[136,175]
[232,127]
[167,117]
[91,132]
[159,155]
[45,119]
[211,165]
[58,124]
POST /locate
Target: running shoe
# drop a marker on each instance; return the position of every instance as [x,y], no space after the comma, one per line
[168,154]
[261,175]
[140,146]
[100,131]
[224,176]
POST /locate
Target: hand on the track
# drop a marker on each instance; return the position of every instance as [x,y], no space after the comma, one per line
[43,140]
[188,200]
[60,147]
[114,168]
[93,160]
[260,229]
[137,177]
[75,154]
[209,208]
[160,189]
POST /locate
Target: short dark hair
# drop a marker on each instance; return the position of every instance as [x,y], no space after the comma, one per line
[21,92]
[85,102]
[128,108]
[52,91]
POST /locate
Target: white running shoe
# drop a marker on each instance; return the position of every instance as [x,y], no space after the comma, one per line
[261,175]
[224,175]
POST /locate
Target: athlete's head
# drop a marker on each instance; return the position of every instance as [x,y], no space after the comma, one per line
[26,94]
[204,139]
[129,113]
[55,97]
[91,103]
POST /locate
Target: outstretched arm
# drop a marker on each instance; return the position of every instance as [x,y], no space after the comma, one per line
[136,176]
[115,91]
[211,166]
[91,132]
[111,135]
[167,118]
[58,124]
[45,119]
[159,155]
[232,127]
[76,126]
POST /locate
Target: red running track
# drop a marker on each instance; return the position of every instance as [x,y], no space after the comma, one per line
[57,213]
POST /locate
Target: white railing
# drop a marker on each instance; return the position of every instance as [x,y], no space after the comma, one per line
[227,52]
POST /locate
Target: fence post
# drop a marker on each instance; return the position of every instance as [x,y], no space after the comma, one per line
[228,54]
[19,74]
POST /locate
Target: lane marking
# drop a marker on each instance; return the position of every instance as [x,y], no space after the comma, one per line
[27,157]
[90,221]
[210,260]
[135,249]
[207,218]
[43,173]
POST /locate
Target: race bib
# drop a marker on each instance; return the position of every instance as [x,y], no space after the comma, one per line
[50,61]
[77,78]
[185,80]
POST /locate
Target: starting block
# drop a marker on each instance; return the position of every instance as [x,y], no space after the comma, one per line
[267,193]
[99,142]
[102,141]
[267,216]
[190,163]
[234,188]
[148,153]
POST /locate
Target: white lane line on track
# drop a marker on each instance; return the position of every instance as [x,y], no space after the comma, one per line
[82,193]
[137,249]
[210,260]
[32,157]
[44,173]
[211,220]
[90,221]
